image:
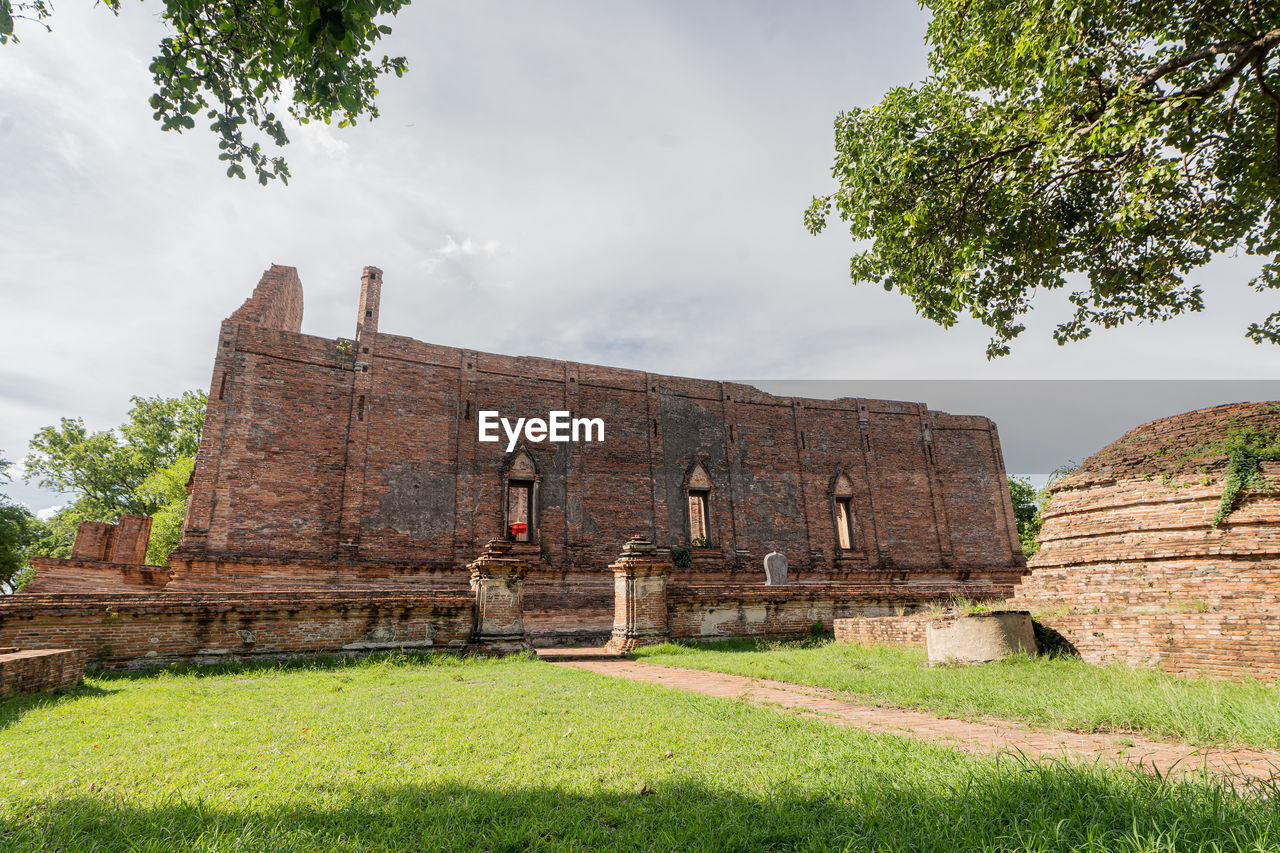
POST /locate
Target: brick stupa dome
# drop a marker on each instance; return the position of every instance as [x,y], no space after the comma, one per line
[1131,566]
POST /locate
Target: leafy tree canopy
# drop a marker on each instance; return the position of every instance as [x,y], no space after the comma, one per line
[108,467]
[1126,141]
[19,531]
[232,63]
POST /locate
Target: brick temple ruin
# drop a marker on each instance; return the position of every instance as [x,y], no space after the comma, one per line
[341,500]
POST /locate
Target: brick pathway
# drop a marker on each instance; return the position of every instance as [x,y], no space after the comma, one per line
[984,736]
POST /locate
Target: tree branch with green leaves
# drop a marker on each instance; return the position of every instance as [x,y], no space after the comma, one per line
[235,62]
[1126,142]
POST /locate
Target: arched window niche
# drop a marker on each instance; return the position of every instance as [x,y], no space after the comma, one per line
[697,490]
[520,497]
[842,512]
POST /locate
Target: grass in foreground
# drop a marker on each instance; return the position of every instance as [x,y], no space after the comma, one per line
[1057,692]
[443,754]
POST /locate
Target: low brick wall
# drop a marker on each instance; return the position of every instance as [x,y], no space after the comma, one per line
[55,576]
[131,631]
[793,610]
[1228,644]
[39,670]
[882,630]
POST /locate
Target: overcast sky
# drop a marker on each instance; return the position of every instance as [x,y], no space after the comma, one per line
[619,183]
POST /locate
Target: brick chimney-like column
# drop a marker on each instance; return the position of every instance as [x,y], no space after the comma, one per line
[497,578]
[639,596]
[359,415]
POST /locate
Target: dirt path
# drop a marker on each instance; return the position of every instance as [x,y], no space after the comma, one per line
[985,736]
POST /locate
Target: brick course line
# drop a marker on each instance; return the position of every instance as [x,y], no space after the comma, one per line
[985,736]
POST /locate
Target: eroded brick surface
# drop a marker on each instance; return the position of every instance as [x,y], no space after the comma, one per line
[39,670]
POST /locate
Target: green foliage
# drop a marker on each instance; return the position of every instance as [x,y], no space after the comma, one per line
[332,756]
[1026,512]
[681,557]
[140,468]
[1061,692]
[19,531]
[235,62]
[1246,451]
[1124,141]
[700,542]
[169,486]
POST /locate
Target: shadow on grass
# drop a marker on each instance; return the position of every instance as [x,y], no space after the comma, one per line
[1020,806]
[319,662]
[15,708]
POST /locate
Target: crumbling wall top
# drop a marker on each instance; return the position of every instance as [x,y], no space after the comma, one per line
[276,302]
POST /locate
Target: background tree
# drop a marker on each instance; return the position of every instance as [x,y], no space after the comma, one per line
[235,61]
[1127,141]
[1026,512]
[19,531]
[140,468]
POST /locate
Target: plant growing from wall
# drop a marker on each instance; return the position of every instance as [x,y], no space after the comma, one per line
[682,557]
[1246,451]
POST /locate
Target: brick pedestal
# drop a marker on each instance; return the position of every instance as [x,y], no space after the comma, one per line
[497,578]
[639,596]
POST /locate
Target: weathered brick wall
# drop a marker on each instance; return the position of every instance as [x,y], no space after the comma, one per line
[39,670]
[1227,644]
[370,458]
[57,576]
[133,532]
[131,631]
[792,611]
[94,540]
[882,630]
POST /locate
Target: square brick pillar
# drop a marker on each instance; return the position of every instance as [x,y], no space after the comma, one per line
[639,597]
[497,578]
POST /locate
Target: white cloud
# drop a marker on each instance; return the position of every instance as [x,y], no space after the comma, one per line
[632,178]
[469,247]
[48,512]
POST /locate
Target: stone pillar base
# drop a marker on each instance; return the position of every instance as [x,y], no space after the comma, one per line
[498,646]
[639,597]
[497,577]
[620,645]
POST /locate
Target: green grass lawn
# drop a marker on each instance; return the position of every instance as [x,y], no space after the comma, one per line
[1057,692]
[437,753]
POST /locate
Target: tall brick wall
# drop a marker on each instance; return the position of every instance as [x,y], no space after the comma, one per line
[368,456]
